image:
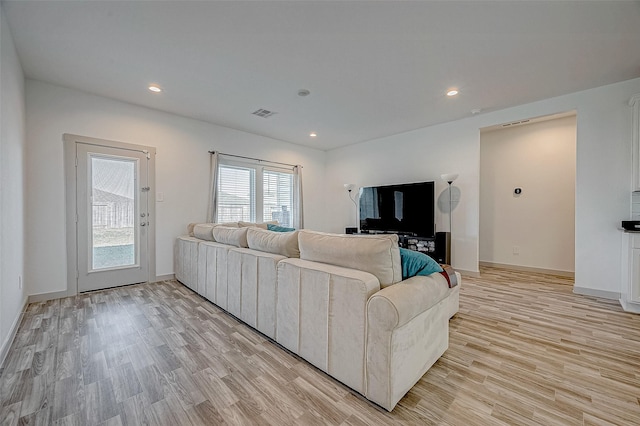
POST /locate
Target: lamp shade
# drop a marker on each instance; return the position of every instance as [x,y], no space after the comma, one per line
[449,177]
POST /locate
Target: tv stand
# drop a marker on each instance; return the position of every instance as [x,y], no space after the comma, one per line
[438,247]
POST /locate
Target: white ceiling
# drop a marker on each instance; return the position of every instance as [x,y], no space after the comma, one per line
[374,68]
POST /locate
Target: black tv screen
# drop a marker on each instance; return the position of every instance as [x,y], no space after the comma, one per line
[407,209]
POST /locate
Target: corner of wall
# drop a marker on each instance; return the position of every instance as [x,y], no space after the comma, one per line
[13,293]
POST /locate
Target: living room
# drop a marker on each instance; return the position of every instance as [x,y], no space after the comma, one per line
[36,113]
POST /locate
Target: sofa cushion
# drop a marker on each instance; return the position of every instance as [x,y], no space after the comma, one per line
[283,243]
[262,225]
[232,236]
[203,231]
[377,254]
[191,226]
[229,224]
[416,263]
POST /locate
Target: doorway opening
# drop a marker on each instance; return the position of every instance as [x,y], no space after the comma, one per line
[527,195]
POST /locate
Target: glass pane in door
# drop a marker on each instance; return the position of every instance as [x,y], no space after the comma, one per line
[113,182]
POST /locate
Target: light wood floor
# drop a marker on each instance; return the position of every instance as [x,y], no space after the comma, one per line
[523,350]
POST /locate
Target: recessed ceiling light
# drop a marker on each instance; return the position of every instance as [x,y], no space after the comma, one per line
[313,134]
[452,92]
[155,88]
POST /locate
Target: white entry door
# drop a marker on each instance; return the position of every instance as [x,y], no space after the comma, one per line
[112,202]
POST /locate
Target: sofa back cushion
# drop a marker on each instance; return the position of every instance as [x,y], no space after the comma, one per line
[283,243]
[377,254]
[203,231]
[233,236]
[262,225]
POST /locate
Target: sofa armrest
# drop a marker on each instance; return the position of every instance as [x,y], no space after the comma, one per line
[398,304]
[407,331]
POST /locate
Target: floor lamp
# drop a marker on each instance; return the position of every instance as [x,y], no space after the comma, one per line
[450,177]
[349,187]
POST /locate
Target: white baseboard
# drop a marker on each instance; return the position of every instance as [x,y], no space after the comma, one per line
[165,277]
[604,294]
[630,306]
[528,269]
[6,345]
[43,297]
[464,273]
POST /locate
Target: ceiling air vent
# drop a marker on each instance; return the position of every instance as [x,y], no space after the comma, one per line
[264,113]
[515,123]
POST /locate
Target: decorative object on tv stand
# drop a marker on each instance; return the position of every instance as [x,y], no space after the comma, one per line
[349,187]
[450,177]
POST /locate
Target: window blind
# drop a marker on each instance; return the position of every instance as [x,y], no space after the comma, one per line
[278,197]
[236,194]
[256,193]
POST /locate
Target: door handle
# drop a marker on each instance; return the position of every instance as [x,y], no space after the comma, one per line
[143,224]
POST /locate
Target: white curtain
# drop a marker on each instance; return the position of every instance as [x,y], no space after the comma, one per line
[298,220]
[212,209]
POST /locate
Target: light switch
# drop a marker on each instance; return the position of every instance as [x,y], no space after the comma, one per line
[159,197]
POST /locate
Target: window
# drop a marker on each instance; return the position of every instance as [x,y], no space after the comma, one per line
[254,193]
[277,197]
[236,194]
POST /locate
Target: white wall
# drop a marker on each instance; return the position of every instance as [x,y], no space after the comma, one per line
[540,158]
[420,155]
[182,170]
[603,175]
[12,148]
[603,171]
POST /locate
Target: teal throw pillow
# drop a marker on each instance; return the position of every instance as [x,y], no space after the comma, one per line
[416,263]
[278,228]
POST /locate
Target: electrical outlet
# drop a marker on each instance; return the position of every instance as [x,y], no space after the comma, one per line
[516,250]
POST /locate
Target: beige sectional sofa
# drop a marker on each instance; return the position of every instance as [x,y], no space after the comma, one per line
[338,301]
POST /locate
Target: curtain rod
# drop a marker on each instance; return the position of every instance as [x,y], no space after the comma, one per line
[254,159]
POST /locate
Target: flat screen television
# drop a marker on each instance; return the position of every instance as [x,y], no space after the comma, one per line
[406,209]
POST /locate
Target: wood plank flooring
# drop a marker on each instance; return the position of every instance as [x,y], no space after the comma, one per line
[524,350]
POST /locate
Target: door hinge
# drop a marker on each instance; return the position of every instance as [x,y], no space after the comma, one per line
[76,217]
[77,274]
[76,161]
